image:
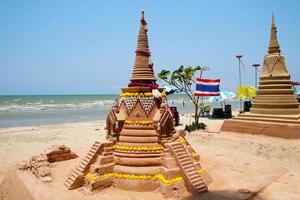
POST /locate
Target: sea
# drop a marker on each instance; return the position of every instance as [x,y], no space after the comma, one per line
[28,110]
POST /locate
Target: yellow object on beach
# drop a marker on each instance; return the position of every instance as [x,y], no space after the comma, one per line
[246,91]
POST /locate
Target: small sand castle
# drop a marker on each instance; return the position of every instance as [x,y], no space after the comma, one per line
[275,103]
[143,151]
[39,165]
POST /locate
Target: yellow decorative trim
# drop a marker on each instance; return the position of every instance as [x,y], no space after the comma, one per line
[201,171]
[194,154]
[91,177]
[135,94]
[181,140]
[137,148]
[139,122]
[160,177]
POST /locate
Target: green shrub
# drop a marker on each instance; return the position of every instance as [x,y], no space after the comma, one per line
[195,126]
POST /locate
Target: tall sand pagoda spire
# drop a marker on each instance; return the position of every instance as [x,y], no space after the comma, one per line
[274,44]
[143,150]
[275,110]
[143,67]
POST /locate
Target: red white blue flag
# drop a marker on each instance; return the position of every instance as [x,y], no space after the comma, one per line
[207,87]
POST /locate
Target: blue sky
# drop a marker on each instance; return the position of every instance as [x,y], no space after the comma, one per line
[87,47]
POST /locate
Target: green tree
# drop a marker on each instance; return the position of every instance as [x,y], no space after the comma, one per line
[183,79]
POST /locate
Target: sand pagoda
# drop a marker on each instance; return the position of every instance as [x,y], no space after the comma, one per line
[143,151]
[275,110]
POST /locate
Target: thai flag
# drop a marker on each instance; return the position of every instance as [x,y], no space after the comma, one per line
[207,87]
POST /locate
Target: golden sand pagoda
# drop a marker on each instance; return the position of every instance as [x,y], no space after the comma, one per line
[275,110]
[143,151]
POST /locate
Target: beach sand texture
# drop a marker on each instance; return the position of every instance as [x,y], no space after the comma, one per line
[242,166]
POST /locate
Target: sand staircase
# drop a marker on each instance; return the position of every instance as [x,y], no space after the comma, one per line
[76,178]
[188,168]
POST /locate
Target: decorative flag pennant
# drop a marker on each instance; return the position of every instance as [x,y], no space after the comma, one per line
[207,87]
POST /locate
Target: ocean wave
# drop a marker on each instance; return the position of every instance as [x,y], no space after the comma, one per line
[39,106]
[61,103]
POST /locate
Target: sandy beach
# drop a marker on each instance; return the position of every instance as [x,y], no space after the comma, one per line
[242,166]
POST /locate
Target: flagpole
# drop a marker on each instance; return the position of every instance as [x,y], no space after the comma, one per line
[240,77]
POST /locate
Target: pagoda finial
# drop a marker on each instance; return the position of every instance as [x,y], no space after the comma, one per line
[274,44]
[143,16]
[273,20]
[142,71]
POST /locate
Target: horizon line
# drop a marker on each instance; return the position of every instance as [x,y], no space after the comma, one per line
[1,95]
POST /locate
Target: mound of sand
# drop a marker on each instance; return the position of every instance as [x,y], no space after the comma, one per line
[12,188]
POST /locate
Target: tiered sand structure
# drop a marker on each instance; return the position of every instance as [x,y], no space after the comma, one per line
[275,110]
[58,153]
[144,151]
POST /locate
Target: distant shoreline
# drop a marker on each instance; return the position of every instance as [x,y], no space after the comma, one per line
[27,110]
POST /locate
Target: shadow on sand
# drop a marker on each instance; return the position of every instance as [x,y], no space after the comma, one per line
[223,195]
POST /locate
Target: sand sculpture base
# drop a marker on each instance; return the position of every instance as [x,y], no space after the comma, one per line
[172,166]
[143,150]
[278,127]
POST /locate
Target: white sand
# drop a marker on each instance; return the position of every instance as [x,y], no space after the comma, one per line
[269,167]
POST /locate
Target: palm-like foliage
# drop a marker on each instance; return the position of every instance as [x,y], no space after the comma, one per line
[183,79]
